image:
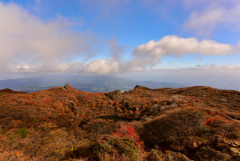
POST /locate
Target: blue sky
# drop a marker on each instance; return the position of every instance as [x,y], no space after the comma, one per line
[193,42]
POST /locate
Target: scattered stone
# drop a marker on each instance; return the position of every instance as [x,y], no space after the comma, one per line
[155,108]
[174,92]
[236,144]
[175,97]
[235,151]
[223,100]
[163,107]
[146,118]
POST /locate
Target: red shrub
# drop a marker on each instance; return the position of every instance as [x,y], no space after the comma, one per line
[129,131]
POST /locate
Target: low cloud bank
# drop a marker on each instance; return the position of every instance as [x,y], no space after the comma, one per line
[217,76]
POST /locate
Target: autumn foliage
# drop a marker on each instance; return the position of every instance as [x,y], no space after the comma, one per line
[63,123]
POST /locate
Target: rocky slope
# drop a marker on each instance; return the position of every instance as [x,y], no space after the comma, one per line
[63,123]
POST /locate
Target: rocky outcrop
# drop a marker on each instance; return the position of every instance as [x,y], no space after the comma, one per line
[114,95]
[67,86]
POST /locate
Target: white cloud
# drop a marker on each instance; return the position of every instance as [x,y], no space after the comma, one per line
[24,38]
[98,66]
[101,66]
[29,45]
[152,52]
[215,15]
[144,56]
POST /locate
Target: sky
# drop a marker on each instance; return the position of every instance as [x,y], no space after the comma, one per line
[183,41]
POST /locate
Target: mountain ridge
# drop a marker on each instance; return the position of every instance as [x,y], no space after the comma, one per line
[187,123]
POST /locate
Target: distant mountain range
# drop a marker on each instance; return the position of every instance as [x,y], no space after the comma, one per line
[87,83]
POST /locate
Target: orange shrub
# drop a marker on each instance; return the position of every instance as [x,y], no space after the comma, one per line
[30,103]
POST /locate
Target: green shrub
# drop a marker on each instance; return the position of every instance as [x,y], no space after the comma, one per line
[22,132]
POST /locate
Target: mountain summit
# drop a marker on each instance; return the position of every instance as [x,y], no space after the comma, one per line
[63,123]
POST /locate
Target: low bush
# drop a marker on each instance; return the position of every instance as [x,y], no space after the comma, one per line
[105,147]
[167,129]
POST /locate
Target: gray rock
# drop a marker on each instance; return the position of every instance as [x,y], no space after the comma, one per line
[114,95]
[235,151]
[174,92]
[155,106]
[223,100]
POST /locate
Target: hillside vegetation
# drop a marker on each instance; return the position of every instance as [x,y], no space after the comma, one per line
[166,124]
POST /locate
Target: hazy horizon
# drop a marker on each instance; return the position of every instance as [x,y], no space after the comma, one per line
[180,41]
